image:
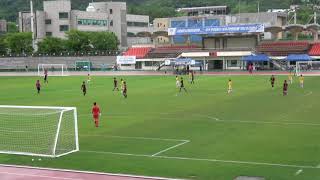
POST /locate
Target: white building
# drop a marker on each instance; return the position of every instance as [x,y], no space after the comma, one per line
[57,18]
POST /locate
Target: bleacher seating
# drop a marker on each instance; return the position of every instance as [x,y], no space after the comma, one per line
[179,47]
[315,50]
[283,48]
[139,52]
[171,51]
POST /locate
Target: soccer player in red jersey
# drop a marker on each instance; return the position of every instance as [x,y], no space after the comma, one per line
[96,114]
[38,86]
[285,88]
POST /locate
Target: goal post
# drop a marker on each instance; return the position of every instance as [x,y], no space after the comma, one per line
[53,69]
[308,68]
[38,130]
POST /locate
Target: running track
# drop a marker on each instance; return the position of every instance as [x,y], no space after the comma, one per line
[29,173]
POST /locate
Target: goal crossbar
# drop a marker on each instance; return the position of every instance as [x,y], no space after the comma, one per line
[308,68]
[64,69]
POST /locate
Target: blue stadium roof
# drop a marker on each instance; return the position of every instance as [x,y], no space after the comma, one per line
[298,57]
[256,58]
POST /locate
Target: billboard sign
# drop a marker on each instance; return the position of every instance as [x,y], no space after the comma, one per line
[240,28]
[126,60]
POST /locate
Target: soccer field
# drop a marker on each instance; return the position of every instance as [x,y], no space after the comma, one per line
[204,134]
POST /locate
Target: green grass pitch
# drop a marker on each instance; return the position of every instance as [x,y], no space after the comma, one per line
[205,134]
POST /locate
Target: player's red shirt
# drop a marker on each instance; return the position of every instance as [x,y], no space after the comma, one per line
[38,85]
[285,86]
[95,110]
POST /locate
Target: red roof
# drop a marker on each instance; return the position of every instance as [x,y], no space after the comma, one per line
[139,52]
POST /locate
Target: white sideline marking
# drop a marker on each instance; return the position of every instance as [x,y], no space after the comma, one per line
[298,172]
[172,147]
[263,122]
[234,121]
[86,172]
[40,176]
[207,160]
[318,166]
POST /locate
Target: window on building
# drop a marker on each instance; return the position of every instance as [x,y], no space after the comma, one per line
[64,28]
[150,63]
[111,23]
[63,15]
[111,11]
[48,21]
[92,22]
[137,24]
[49,34]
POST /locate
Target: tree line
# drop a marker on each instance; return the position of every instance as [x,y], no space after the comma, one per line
[75,41]
[9,8]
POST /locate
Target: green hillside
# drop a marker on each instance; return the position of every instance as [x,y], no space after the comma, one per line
[9,8]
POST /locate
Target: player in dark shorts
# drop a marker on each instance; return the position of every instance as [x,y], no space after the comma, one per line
[84,88]
[46,76]
[38,86]
[115,84]
[124,92]
[285,88]
[182,85]
[192,77]
[272,80]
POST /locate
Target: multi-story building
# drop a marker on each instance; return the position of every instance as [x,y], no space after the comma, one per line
[267,19]
[3,26]
[57,18]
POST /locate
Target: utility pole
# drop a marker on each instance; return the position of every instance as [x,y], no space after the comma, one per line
[258,11]
[34,46]
[239,11]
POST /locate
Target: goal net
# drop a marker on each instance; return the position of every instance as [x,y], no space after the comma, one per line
[53,69]
[83,66]
[38,130]
[308,68]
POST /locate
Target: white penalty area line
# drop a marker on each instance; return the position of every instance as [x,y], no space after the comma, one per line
[170,148]
[205,160]
[298,172]
[182,141]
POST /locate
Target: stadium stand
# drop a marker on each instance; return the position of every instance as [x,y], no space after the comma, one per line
[171,51]
[139,52]
[315,50]
[180,47]
[283,48]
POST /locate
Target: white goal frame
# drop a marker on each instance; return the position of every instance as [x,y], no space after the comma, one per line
[307,69]
[55,143]
[64,69]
